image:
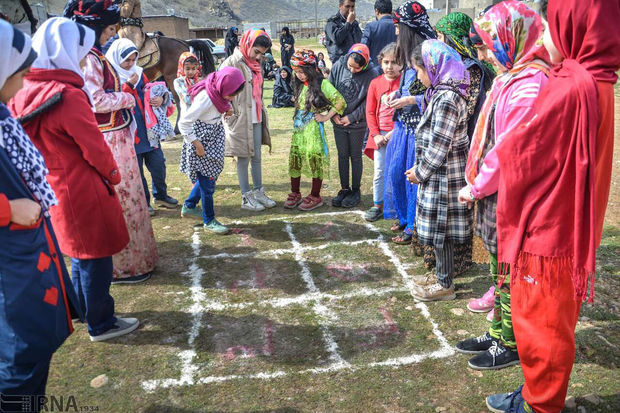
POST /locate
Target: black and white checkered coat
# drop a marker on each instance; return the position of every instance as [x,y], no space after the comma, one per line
[441,154]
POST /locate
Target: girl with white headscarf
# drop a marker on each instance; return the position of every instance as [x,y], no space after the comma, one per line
[89,218]
[38,302]
[123,54]
[113,108]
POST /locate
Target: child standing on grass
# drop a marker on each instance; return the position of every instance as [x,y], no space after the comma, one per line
[309,155]
[439,170]
[202,157]
[320,61]
[379,116]
[189,72]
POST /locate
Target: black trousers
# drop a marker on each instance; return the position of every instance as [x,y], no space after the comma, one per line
[350,143]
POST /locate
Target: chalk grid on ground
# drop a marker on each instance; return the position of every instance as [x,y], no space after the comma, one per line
[201,305]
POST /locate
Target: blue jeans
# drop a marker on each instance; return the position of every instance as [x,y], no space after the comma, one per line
[156,164]
[23,380]
[91,280]
[203,192]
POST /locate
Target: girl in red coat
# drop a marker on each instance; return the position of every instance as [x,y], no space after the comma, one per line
[51,107]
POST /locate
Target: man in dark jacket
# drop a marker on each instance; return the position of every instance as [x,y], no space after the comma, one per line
[342,30]
[380,33]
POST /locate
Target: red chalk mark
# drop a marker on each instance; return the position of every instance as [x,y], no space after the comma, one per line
[379,335]
[326,231]
[257,282]
[340,271]
[246,241]
[250,352]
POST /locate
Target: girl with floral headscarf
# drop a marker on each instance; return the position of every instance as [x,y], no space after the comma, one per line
[248,129]
[441,153]
[316,102]
[189,72]
[513,34]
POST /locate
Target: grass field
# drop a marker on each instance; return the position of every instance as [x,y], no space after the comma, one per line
[309,312]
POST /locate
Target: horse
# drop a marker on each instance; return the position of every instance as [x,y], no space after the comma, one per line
[170,50]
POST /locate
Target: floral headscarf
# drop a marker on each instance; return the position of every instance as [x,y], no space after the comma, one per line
[304,57]
[362,50]
[445,69]
[513,32]
[413,14]
[455,28]
[181,70]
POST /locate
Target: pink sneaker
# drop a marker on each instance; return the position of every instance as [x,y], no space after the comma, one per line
[490,316]
[483,304]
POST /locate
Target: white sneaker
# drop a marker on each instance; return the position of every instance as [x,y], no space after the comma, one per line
[121,327]
[260,196]
[250,203]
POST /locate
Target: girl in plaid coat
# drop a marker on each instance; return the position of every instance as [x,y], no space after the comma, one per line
[442,145]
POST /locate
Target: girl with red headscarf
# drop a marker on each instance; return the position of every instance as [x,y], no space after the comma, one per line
[552,197]
[247,129]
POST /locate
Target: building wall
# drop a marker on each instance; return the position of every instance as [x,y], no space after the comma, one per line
[171,26]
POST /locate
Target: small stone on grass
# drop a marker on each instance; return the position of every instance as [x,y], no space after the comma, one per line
[99,381]
[457,311]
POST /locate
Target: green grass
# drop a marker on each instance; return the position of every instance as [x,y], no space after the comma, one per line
[290,339]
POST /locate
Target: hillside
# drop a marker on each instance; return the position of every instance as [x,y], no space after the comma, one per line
[225,13]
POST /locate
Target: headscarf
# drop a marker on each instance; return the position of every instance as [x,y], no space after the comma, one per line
[96,14]
[246,43]
[513,32]
[546,216]
[362,50]
[224,82]
[16,54]
[62,44]
[118,52]
[181,69]
[303,57]
[413,14]
[445,69]
[455,27]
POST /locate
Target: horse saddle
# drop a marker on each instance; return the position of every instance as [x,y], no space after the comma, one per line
[150,54]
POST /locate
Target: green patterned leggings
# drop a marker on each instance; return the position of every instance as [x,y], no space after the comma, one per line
[501,326]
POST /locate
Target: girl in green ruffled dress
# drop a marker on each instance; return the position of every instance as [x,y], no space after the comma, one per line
[316,102]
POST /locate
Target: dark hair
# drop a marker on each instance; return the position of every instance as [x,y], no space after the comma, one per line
[543,8]
[315,99]
[408,39]
[358,59]
[320,53]
[262,41]
[389,49]
[416,56]
[383,6]
[191,60]
[341,2]
[239,89]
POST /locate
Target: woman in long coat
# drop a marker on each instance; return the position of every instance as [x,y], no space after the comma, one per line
[287,46]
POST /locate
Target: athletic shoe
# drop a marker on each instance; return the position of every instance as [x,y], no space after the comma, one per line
[353,199]
[433,292]
[373,214]
[342,194]
[136,279]
[310,202]
[508,403]
[250,203]
[215,227]
[121,327]
[475,345]
[495,358]
[484,303]
[490,316]
[167,202]
[195,212]
[425,280]
[262,198]
[294,199]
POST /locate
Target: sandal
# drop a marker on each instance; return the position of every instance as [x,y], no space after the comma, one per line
[397,227]
[293,200]
[310,202]
[403,239]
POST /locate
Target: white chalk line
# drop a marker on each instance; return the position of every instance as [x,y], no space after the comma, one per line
[188,370]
